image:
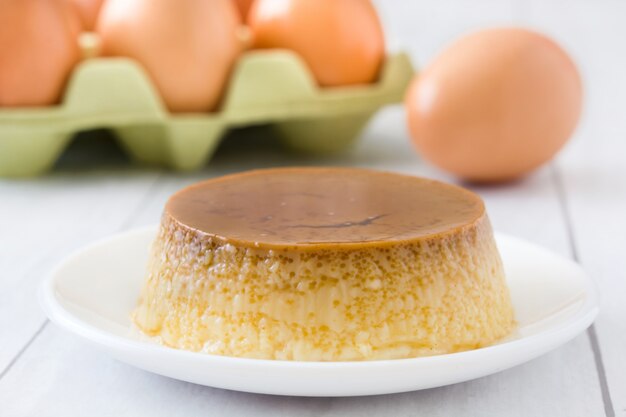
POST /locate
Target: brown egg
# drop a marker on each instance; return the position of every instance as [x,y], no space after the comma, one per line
[341,40]
[187,46]
[38,51]
[244,7]
[495,105]
[88,11]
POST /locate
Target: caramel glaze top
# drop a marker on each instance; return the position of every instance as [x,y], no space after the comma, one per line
[319,208]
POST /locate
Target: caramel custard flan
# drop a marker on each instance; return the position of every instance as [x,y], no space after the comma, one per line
[325,264]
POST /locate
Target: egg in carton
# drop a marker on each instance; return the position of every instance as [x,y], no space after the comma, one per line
[266,87]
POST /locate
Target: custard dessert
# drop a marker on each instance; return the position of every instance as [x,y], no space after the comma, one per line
[325,264]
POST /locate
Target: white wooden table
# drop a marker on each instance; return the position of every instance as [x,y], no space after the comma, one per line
[575,206]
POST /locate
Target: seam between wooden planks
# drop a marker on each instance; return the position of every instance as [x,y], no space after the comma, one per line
[609,410]
[127,222]
[24,348]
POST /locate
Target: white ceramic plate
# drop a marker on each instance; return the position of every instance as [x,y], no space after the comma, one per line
[93,292]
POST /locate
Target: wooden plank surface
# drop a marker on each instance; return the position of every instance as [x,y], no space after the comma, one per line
[44,220]
[592,171]
[577,203]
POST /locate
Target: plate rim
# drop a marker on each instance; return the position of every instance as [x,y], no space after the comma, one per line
[54,310]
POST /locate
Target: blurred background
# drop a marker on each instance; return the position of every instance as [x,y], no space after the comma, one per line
[574,204]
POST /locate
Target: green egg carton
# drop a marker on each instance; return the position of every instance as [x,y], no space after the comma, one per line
[266,87]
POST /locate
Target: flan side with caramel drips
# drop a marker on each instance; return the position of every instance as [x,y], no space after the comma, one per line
[325,264]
